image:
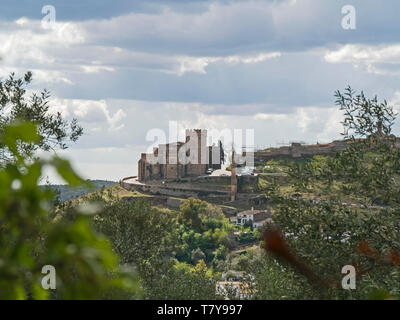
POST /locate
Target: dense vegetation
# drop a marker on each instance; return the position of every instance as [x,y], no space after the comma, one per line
[86,266]
[341,211]
[187,248]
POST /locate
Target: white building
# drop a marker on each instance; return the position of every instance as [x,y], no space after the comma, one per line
[235,290]
[257,218]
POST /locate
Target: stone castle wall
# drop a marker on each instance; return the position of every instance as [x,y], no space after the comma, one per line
[201,187]
[167,165]
[298,151]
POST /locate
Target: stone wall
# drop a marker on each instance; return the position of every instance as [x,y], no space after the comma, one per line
[166,164]
[183,190]
[195,170]
[298,151]
[247,183]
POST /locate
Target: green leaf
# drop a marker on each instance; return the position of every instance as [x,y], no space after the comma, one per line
[65,170]
[25,132]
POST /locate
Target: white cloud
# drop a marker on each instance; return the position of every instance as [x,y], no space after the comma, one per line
[395,101]
[356,52]
[189,64]
[322,123]
[252,58]
[50,76]
[270,116]
[380,59]
[199,64]
[96,69]
[28,41]
[22,21]
[95,114]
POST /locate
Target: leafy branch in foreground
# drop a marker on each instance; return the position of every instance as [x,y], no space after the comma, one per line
[345,206]
[53,131]
[85,265]
[364,116]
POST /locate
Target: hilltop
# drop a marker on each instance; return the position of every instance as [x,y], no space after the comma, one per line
[68,193]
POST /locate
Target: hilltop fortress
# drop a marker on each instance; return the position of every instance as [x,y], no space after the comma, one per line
[191,169]
[177,170]
[177,160]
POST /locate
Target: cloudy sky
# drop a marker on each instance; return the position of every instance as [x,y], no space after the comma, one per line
[125,67]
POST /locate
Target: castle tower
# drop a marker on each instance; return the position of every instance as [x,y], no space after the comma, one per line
[234,186]
[197,141]
[142,168]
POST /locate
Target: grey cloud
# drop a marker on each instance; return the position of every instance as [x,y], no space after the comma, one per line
[276,85]
[225,28]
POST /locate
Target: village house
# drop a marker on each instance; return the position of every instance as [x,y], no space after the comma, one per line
[256,218]
[234,290]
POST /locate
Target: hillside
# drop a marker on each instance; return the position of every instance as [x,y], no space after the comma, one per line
[67,193]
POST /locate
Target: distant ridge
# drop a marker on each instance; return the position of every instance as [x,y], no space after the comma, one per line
[67,193]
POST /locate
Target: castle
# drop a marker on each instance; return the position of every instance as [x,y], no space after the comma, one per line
[178,160]
[183,169]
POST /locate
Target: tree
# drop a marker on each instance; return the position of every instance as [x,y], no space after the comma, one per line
[191,211]
[86,267]
[53,131]
[270,280]
[142,235]
[355,219]
[197,255]
[186,282]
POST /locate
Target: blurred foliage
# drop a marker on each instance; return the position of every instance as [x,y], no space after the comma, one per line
[86,267]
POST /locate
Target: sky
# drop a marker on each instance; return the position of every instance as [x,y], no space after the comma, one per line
[124,68]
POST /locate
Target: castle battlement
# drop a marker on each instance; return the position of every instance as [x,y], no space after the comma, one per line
[181,159]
